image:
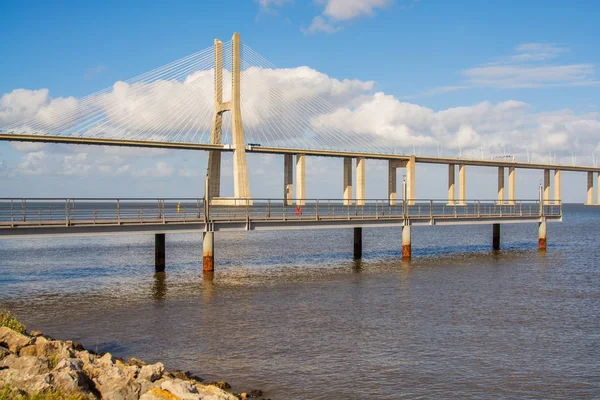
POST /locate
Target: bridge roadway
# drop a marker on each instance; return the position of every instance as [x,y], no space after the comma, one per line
[311,152]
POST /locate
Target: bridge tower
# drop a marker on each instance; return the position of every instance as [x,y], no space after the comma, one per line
[241,186]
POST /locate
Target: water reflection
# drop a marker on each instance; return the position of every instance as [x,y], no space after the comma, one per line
[208,285]
[159,289]
[357,266]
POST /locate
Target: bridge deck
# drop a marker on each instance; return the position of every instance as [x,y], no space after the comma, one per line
[33,217]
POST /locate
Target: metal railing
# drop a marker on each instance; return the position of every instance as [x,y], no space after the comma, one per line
[90,211]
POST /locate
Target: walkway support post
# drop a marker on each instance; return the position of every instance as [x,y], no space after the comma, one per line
[347,181]
[590,189]
[159,252]
[511,185]
[500,185]
[300,183]
[208,251]
[496,236]
[451,180]
[357,243]
[462,184]
[392,190]
[288,179]
[557,198]
[598,199]
[360,181]
[542,234]
[406,246]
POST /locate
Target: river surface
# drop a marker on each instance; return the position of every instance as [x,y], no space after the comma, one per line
[292,314]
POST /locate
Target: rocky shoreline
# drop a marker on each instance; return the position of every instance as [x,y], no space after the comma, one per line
[33,364]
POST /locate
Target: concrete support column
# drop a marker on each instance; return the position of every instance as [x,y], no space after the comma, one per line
[598,199]
[511,185]
[590,188]
[500,185]
[496,236]
[406,248]
[451,171]
[357,243]
[347,181]
[300,183]
[546,186]
[411,180]
[557,198]
[208,251]
[392,192]
[288,179]
[542,235]
[360,181]
[462,184]
[159,252]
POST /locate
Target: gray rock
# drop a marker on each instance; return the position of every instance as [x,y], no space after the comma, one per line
[134,361]
[69,377]
[13,340]
[152,372]
[54,349]
[210,392]
[182,389]
[158,394]
[25,382]
[30,350]
[115,384]
[28,365]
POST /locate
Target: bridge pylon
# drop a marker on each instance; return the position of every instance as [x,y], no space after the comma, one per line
[241,186]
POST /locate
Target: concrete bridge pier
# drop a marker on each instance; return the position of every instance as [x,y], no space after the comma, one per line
[511,185]
[451,181]
[462,184]
[357,243]
[496,236]
[208,251]
[347,181]
[590,189]
[542,235]
[500,186]
[360,181]
[406,247]
[546,187]
[557,186]
[159,252]
[300,179]
[288,179]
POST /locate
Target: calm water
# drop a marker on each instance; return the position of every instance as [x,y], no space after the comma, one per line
[292,314]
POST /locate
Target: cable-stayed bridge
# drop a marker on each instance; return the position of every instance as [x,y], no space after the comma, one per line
[228,98]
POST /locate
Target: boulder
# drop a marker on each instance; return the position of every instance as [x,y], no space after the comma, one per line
[25,382]
[182,389]
[210,392]
[13,340]
[28,365]
[158,394]
[112,383]
[35,333]
[69,377]
[135,362]
[30,350]
[54,349]
[152,372]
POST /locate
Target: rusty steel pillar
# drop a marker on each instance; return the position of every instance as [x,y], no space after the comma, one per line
[357,243]
[208,251]
[159,252]
[406,248]
[542,235]
[496,236]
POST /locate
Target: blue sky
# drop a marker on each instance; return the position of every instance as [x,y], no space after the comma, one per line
[435,54]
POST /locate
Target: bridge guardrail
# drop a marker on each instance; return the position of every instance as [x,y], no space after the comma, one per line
[51,211]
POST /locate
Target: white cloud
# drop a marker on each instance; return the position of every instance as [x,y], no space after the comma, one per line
[339,11]
[528,67]
[160,170]
[270,5]
[20,104]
